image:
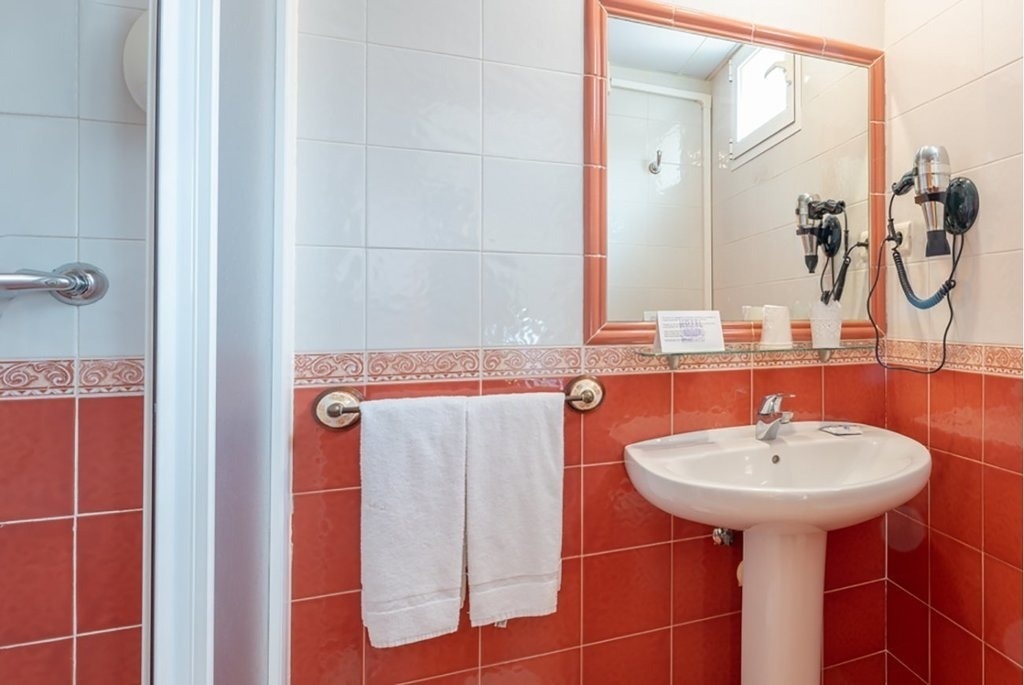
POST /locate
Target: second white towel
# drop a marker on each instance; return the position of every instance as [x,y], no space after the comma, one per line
[514,472]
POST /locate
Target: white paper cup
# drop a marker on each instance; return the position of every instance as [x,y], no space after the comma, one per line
[776,333]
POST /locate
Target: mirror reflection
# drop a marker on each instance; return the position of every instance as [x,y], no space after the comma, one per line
[710,145]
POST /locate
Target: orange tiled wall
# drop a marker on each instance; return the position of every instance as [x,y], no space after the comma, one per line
[645,598]
[71,540]
[954,552]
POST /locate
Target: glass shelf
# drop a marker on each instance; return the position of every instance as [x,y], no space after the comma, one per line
[824,353]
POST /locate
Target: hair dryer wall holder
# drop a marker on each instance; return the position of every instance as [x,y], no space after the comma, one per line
[959,201]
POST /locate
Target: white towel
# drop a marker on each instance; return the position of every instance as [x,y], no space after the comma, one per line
[413,467]
[514,466]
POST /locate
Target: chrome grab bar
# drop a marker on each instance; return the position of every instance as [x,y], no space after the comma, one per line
[76,283]
[35,280]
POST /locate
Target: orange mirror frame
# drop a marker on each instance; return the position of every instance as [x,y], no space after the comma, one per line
[597,329]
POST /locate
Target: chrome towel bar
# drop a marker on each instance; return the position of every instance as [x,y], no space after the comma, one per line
[77,283]
[339,408]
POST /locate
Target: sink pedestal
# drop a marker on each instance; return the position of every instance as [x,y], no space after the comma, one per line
[783,590]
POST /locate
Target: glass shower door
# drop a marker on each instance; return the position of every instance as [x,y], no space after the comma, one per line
[73,190]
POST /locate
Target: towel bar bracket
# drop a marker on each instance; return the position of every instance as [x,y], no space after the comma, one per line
[339,408]
[584,393]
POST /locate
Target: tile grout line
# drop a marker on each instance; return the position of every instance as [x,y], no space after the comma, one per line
[908,668]
[44,641]
[582,523]
[74,532]
[479,158]
[853,586]
[70,636]
[366,198]
[650,631]
[928,524]
[105,631]
[326,491]
[479,654]
[672,545]
[850,661]
[71,516]
[582,593]
[885,530]
[326,595]
[984,562]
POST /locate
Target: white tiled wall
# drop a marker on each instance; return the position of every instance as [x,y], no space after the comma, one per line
[463,226]
[439,174]
[438,206]
[953,78]
[72,174]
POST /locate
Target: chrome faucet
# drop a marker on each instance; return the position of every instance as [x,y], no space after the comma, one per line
[770,416]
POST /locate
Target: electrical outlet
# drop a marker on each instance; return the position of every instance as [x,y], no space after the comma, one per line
[904,228]
[860,256]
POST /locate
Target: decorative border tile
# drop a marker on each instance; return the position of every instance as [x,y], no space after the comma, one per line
[782,358]
[856,355]
[110,376]
[737,357]
[959,357]
[57,377]
[906,353]
[325,369]
[423,365]
[532,361]
[37,378]
[615,359]
[622,359]
[1004,360]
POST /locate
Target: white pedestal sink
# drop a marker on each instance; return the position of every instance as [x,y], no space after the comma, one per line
[785,495]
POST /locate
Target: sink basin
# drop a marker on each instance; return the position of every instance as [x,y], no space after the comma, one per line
[724,477]
[785,495]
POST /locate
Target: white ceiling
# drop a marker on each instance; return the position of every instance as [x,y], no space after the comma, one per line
[656,48]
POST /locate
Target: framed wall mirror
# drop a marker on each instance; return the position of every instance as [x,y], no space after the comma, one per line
[700,135]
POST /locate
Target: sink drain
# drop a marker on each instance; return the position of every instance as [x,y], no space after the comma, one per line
[775,459]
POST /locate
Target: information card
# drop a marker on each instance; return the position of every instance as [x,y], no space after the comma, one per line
[689,332]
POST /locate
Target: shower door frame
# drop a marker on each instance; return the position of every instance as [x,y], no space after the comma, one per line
[185,640]
[704,100]
[183,350]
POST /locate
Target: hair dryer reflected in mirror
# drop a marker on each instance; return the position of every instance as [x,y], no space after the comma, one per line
[817,226]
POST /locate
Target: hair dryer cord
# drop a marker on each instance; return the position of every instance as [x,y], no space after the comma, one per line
[908,290]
